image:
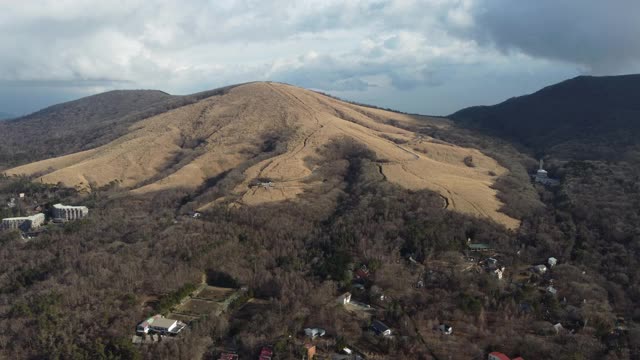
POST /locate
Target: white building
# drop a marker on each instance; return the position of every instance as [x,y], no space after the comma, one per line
[160,325]
[499,273]
[67,213]
[380,328]
[446,329]
[540,269]
[345,298]
[552,262]
[543,178]
[23,223]
[314,332]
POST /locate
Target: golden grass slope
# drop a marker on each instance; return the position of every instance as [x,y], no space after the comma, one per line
[231,130]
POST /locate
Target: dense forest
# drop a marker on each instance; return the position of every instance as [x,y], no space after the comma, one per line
[78,290]
[584,118]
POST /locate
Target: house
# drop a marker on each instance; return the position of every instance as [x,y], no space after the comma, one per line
[311,350]
[446,329]
[362,273]
[358,287]
[161,325]
[478,247]
[314,332]
[380,328]
[498,273]
[500,356]
[266,353]
[540,269]
[551,290]
[552,262]
[558,328]
[497,356]
[228,356]
[490,263]
[344,298]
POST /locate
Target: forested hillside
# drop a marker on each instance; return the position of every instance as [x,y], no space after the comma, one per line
[587,130]
[582,118]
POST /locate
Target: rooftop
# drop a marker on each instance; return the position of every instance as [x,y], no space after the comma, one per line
[479,246]
[379,326]
[163,322]
[24,217]
[499,355]
[158,321]
[60,206]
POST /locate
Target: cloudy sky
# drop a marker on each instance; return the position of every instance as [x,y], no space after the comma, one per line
[425,56]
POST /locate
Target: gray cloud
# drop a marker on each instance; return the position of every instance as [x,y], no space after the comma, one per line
[600,35]
[383,51]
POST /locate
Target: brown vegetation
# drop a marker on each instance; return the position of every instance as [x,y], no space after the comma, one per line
[185,147]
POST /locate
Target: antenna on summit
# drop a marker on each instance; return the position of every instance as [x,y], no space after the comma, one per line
[541,164]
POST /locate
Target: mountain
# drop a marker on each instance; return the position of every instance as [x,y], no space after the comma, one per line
[304,198]
[83,124]
[582,118]
[280,140]
[6,116]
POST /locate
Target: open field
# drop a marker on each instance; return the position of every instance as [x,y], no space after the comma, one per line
[271,131]
[213,293]
[205,302]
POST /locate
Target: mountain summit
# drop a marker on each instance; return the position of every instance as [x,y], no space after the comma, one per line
[277,137]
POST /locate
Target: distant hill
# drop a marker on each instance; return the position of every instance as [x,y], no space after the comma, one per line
[83,124]
[6,116]
[585,117]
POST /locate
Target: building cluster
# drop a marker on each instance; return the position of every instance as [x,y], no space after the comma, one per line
[25,223]
[61,212]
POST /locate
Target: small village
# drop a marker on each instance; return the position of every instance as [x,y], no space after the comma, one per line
[363,300]
[38,216]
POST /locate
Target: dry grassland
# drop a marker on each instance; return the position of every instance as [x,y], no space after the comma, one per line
[231,129]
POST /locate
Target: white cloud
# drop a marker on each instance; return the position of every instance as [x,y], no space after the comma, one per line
[396,46]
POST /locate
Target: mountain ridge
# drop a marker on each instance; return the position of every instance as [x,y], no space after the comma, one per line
[584,117]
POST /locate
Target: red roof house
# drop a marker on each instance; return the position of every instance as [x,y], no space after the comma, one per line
[498,356]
